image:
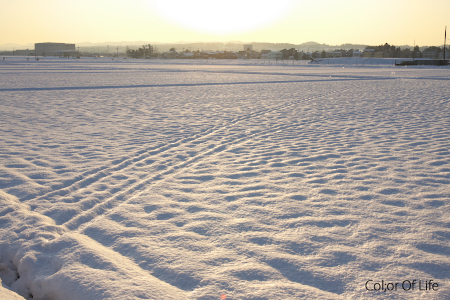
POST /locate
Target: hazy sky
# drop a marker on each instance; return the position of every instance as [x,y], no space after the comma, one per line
[333,22]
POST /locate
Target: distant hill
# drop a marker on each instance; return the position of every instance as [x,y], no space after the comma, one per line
[11,46]
[179,46]
[310,46]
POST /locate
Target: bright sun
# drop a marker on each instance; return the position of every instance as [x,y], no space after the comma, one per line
[222,17]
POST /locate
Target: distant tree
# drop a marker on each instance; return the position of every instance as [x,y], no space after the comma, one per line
[132,53]
[292,51]
[434,48]
[324,54]
[172,49]
[150,51]
[416,52]
[405,53]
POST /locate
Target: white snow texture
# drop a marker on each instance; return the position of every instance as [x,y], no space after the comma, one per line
[153,179]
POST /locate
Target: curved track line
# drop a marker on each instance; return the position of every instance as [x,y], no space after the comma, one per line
[90,177]
[137,188]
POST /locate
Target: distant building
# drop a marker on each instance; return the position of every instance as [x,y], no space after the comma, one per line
[242,54]
[210,54]
[275,55]
[264,54]
[170,54]
[334,54]
[356,54]
[54,49]
[307,55]
[430,54]
[368,52]
[447,54]
[317,54]
[186,55]
[23,52]
[378,54]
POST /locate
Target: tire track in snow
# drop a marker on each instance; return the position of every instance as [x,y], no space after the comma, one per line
[121,197]
[142,186]
[92,176]
[102,173]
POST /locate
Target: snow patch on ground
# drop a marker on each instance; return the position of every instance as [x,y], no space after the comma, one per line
[7,294]
[189,180]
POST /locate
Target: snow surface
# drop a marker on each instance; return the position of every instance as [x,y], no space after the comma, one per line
[144,179]
[6,294]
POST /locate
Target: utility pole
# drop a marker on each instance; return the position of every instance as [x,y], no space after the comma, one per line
[445,39]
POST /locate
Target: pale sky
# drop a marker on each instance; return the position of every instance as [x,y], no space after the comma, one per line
[397,22]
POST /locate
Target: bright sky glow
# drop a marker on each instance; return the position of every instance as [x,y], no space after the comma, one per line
[220,17]
[398,22]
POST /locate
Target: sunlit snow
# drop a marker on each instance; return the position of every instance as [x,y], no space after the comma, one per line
[148,179]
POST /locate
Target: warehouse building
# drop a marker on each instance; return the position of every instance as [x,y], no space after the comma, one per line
[55,49]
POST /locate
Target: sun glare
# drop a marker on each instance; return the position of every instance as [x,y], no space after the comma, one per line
[222,17]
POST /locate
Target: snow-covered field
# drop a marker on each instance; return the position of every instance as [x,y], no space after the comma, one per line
[223,180]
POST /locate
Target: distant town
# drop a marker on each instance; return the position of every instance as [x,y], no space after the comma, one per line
[307,51]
